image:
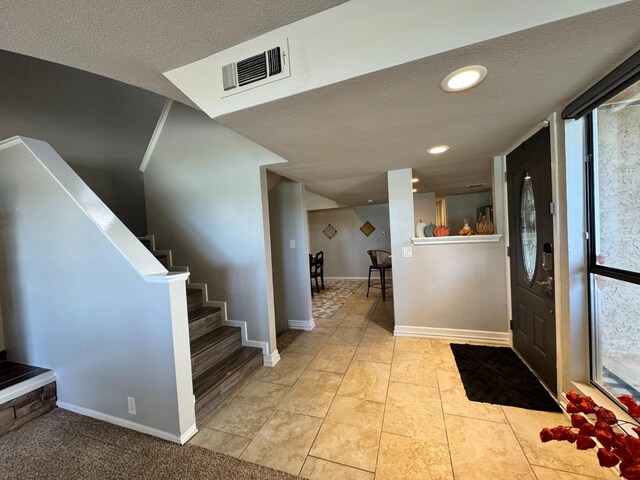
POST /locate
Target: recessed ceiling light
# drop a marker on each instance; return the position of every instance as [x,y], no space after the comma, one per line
[438,149]
[415,180]
[464,78]
[370,201]
[414,190]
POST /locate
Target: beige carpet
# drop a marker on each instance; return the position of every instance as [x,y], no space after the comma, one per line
[64,445]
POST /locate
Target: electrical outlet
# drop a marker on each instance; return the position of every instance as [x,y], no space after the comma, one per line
[292,244]
[407,252]
[131,402]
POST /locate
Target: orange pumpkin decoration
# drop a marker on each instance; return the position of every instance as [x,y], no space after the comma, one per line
[441,231]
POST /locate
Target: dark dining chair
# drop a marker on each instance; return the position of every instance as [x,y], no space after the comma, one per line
[381,262]
[316,267]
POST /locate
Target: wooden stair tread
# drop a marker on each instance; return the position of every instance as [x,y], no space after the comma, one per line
[217,374]
[202,312]
[193,291]
[210,339]
[12,373]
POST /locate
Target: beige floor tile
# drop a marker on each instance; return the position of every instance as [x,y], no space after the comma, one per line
[556,455]
[375,349]
[312,394]
[482,450]
[246,413]
[443,356]
[366,380]
[341,313]
[355,320]
[287,371]
[283,442]
[318,469]
[346,336]
[331,323]
[414,411]
[220,442]
[363,307]
[403,458]
[455,401]
[380,328]
[333,358]
[549,474]
[324,329]
[413,367]
[409,344]
[351,433]
[309,343]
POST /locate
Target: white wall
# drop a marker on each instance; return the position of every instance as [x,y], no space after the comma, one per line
[205,202]
[338,44]
[453,290]
[314,201]
[290,266]
[346,253]
[78,296]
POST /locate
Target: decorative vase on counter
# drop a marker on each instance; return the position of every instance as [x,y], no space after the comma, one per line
[420,229]
[485,226]
[428,230]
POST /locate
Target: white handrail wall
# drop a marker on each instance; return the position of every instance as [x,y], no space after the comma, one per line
[82,296]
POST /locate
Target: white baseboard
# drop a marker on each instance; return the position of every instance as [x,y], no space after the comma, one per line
[171,437]
[307,325]
[26,386]
[497,338]
[245,340]
[347,278]
[271,359]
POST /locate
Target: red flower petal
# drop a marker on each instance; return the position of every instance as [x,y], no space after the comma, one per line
[588,430]
[572,408]
[573,396]
[633,446]
[578,420]
[627,400]
[630,471]
[607,459]
[605,438]
[605,415]
[585,443]
[546,435]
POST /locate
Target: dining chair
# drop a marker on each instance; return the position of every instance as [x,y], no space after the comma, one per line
[380,262]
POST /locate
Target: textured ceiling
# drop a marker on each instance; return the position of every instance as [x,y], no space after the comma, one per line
[340,140]
[134,41]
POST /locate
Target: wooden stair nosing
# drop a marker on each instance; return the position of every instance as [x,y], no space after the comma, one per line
[213,387]
[203,312]
[211,339]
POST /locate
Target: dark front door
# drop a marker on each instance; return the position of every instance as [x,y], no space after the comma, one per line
[531,242]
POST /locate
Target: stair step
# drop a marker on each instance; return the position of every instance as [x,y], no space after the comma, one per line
[163,258]
[216,384]
[194,299]
[146,242]
[204,320]
[212,348]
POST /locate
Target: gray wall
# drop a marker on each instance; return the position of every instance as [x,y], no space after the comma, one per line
[290,266]
[205,202]
[424,208]
[73,302]
[346,253]
[441,288]
[99,126]
[464,206]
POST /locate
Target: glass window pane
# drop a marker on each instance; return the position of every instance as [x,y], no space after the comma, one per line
[617,181]
[616,335]
[528,233]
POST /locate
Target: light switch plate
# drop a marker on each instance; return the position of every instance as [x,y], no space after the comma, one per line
[292,244]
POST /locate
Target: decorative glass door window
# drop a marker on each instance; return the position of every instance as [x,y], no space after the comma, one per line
[614,246]
[528,232]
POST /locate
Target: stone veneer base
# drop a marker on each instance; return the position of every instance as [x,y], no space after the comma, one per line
[21,410]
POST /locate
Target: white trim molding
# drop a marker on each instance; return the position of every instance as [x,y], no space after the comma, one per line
[307,325]
[271,359]
[364,279]
[26,386]
[171,437]
[456,239]
[156,134]
[497,338]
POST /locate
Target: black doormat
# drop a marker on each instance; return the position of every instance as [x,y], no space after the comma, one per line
[497,375]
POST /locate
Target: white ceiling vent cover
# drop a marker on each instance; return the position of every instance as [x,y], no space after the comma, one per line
[256,70]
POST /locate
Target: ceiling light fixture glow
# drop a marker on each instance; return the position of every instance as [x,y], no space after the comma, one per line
[464,78]
[414,190]
[438,149]
[415,180]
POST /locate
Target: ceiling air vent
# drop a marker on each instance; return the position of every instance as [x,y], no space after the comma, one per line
[256,70]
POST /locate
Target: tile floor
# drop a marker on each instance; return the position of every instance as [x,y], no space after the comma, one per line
[350,401]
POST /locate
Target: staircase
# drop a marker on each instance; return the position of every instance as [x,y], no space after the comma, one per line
[219,362]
